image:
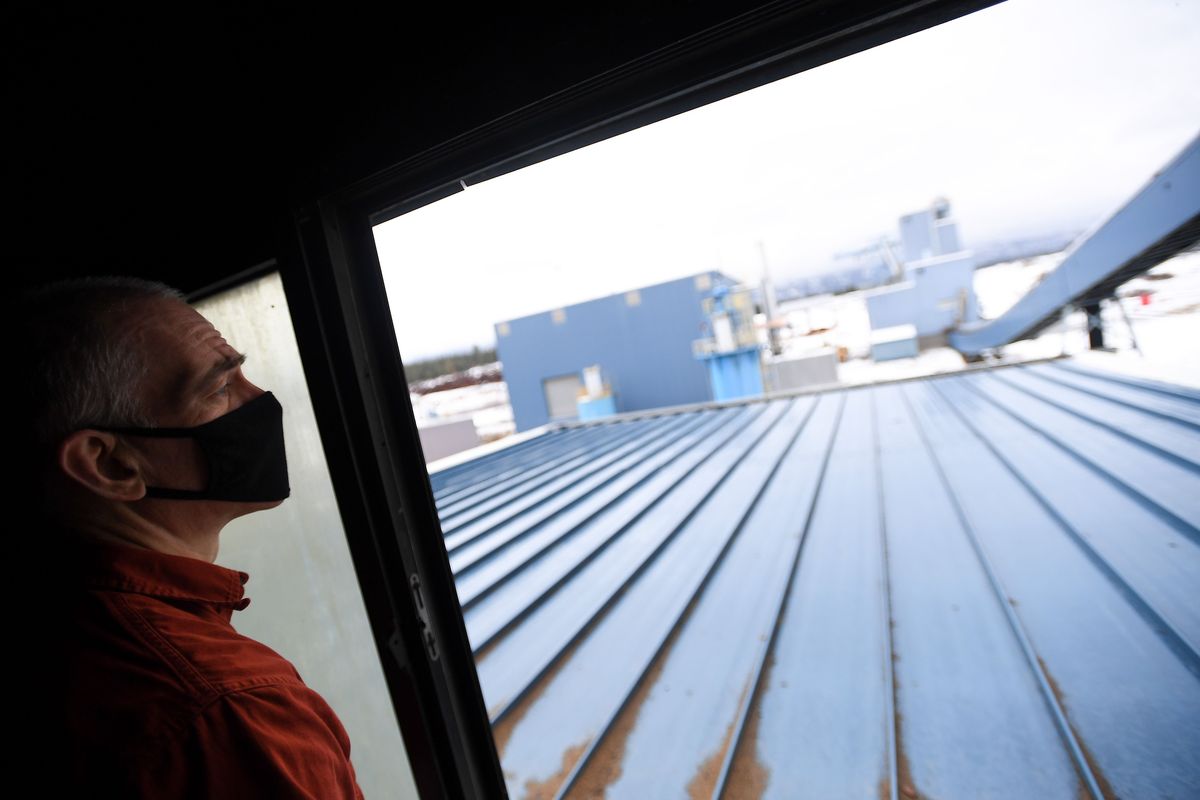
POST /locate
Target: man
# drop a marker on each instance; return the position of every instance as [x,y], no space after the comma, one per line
[149,440]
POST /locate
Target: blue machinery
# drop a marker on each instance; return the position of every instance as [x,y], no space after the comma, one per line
[1158,222]
[733,351]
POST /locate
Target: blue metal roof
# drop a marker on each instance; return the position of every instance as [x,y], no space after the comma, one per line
[983,585]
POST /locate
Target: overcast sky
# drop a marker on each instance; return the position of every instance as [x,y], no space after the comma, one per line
[1034,116]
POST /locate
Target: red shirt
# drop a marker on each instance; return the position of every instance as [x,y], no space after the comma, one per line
[164,699]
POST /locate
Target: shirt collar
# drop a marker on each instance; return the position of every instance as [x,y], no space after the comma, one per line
[133,569]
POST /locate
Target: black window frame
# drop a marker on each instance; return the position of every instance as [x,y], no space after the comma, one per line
[335,290]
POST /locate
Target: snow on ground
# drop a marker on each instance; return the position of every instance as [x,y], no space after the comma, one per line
[486,404]
[1000,286]
[1167,329]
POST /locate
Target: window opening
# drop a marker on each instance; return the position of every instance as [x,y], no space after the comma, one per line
[676,500]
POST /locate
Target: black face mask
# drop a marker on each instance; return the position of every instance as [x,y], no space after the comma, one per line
[244,451]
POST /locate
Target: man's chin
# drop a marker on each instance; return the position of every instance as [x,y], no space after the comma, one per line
[243,507]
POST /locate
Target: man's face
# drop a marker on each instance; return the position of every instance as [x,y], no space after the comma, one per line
[194,377]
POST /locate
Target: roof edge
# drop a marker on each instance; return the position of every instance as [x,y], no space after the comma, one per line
[770,396]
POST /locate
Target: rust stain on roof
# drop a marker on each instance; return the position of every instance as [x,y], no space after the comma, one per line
[1106,788]
[548,789]
[704,782]
[908,787]
[747,775]
[502,730]
[604,767]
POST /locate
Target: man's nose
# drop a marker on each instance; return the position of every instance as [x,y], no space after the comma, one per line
[247,391]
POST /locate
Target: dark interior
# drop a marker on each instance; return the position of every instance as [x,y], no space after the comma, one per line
[172,144]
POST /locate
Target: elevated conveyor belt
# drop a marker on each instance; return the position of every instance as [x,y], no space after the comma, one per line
[1159,221]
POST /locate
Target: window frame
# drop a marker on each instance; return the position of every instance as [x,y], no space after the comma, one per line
[335,290]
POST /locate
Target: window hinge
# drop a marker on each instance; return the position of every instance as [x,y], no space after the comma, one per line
[431,646]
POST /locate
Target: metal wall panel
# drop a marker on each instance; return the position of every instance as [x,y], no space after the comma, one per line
[644,349]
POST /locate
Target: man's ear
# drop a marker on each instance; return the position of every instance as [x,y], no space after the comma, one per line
[103,464]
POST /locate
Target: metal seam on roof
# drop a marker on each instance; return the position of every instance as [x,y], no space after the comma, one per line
[699,588]
[631,476]
[895,753]
[765,420]
[572,471]
[677,437]
[1127,483]
[1046,563]
[1178,642]
[576,568]
[1169,410]
[1002,596]
[760,660]
[1186,459]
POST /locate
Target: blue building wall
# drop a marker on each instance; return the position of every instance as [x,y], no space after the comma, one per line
[930,298]
[644,350]
[893,305]
[938,293]
[917,236]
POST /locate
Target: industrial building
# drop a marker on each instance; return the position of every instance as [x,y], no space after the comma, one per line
[640,341]
[933,292]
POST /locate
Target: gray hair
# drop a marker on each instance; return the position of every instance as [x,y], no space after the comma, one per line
[85,369]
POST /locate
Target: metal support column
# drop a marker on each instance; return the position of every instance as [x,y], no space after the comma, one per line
[1095,326]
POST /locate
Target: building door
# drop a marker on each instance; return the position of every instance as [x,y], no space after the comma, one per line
[562,395]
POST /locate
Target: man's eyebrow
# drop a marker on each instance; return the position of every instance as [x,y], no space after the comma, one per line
[225,365]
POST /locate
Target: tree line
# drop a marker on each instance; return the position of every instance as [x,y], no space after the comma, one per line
[437,366]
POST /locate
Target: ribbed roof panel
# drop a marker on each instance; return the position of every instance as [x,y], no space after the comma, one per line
[968,586]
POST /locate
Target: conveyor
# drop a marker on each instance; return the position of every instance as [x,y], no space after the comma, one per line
[1158,222]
